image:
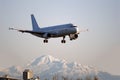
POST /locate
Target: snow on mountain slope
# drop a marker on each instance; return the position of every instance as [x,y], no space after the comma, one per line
[13,71]
[45,59]
[48,67]
[107,76]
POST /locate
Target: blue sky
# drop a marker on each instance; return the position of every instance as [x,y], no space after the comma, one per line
[99,47]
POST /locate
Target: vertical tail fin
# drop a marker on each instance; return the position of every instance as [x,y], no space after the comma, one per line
[34,23]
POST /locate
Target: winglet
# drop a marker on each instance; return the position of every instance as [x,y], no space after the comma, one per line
[12,29]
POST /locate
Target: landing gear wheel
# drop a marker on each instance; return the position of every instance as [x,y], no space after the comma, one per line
[45,41]
[63,41]
[71,39]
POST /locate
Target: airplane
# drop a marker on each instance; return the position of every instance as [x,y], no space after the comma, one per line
[52,31]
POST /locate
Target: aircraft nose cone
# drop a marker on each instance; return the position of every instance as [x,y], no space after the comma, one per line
[77,30]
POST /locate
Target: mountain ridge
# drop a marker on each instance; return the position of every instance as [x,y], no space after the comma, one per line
[47,67]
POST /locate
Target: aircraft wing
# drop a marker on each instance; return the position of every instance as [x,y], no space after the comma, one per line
[33,32]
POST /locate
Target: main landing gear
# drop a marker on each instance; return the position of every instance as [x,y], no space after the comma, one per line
[63,41]
[45,41]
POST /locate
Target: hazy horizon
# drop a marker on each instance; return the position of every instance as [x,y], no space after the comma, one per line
[99,47]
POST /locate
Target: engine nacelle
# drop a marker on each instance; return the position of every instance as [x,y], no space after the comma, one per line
[73,36]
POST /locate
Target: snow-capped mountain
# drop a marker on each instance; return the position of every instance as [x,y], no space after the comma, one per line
[13,71]
[107,76]
[48,67]
[45,59]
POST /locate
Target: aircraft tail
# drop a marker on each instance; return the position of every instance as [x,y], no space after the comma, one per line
[34,23]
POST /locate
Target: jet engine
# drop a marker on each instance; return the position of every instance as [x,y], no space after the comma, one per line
[73,36]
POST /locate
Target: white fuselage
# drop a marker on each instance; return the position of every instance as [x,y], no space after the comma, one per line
[57,31]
